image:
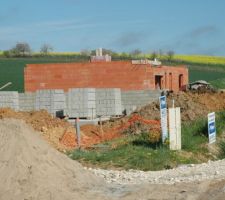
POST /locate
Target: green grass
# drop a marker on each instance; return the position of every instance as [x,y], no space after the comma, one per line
[218,83]
[194,134]
[205,75]
[222,150]
[135,152]
[130,156]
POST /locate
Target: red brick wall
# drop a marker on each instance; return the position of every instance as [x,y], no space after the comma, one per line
[122,75]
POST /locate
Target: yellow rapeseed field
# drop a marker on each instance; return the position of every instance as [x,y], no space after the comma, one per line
[201,59]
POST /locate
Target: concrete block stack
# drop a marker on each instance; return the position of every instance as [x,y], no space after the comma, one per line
[132,100]
[50,100]
[81,103]
[108,102]
[9,100]
[27,101]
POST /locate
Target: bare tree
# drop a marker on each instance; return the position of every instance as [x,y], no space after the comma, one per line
[160,53]
[85,52]
[46,48]
[21,49]
[135,52]
[154,55]
[170,55]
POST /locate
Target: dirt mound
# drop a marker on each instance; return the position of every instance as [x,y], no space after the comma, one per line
[30,169]
[59,133]
[193,105]
[147,119]
[52,129]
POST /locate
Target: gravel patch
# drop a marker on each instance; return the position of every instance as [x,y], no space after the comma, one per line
[184,173]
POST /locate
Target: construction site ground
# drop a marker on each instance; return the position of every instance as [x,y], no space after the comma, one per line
[62,135]
[32,169]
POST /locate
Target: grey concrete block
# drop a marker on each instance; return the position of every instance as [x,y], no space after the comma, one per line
[9,99]
[108,101]
[81,102]
[131,100]
[51,100]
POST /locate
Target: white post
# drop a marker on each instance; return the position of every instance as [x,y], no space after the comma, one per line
[175,128]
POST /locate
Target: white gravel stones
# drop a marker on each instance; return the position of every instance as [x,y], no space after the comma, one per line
[184,173]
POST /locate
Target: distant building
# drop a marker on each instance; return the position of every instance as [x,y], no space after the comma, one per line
[101,72]
[99,57]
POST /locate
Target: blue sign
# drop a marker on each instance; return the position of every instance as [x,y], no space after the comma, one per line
[162,100]
[212,127]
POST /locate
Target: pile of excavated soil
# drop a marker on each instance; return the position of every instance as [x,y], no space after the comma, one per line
[30,169]
[193,105]
[51,128]
[59,133]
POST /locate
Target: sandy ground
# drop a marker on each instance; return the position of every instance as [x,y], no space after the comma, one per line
[30,169]
[208,190]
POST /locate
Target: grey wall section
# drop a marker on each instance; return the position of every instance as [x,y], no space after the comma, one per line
[50,100]
[27,101]
[81,102]
[132,100]
[108,102]
[9,99]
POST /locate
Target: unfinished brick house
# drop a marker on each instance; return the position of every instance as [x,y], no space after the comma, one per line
[127,75]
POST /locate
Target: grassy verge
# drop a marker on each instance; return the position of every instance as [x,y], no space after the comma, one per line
[129,156]
[135,152]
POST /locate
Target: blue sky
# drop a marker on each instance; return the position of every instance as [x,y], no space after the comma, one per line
[184,26]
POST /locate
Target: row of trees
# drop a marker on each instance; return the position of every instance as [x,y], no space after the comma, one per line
[136,53]
[23,49]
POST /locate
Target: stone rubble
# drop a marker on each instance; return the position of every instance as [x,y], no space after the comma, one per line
[184,173]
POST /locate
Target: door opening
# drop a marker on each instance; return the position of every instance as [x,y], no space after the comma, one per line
[170,82]
[158,82]
[181,81]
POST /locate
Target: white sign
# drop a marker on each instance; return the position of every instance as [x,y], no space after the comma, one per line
[175,128]
[163,114]
[212,127]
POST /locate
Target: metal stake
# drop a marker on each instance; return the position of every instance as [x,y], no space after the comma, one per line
[78,131]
